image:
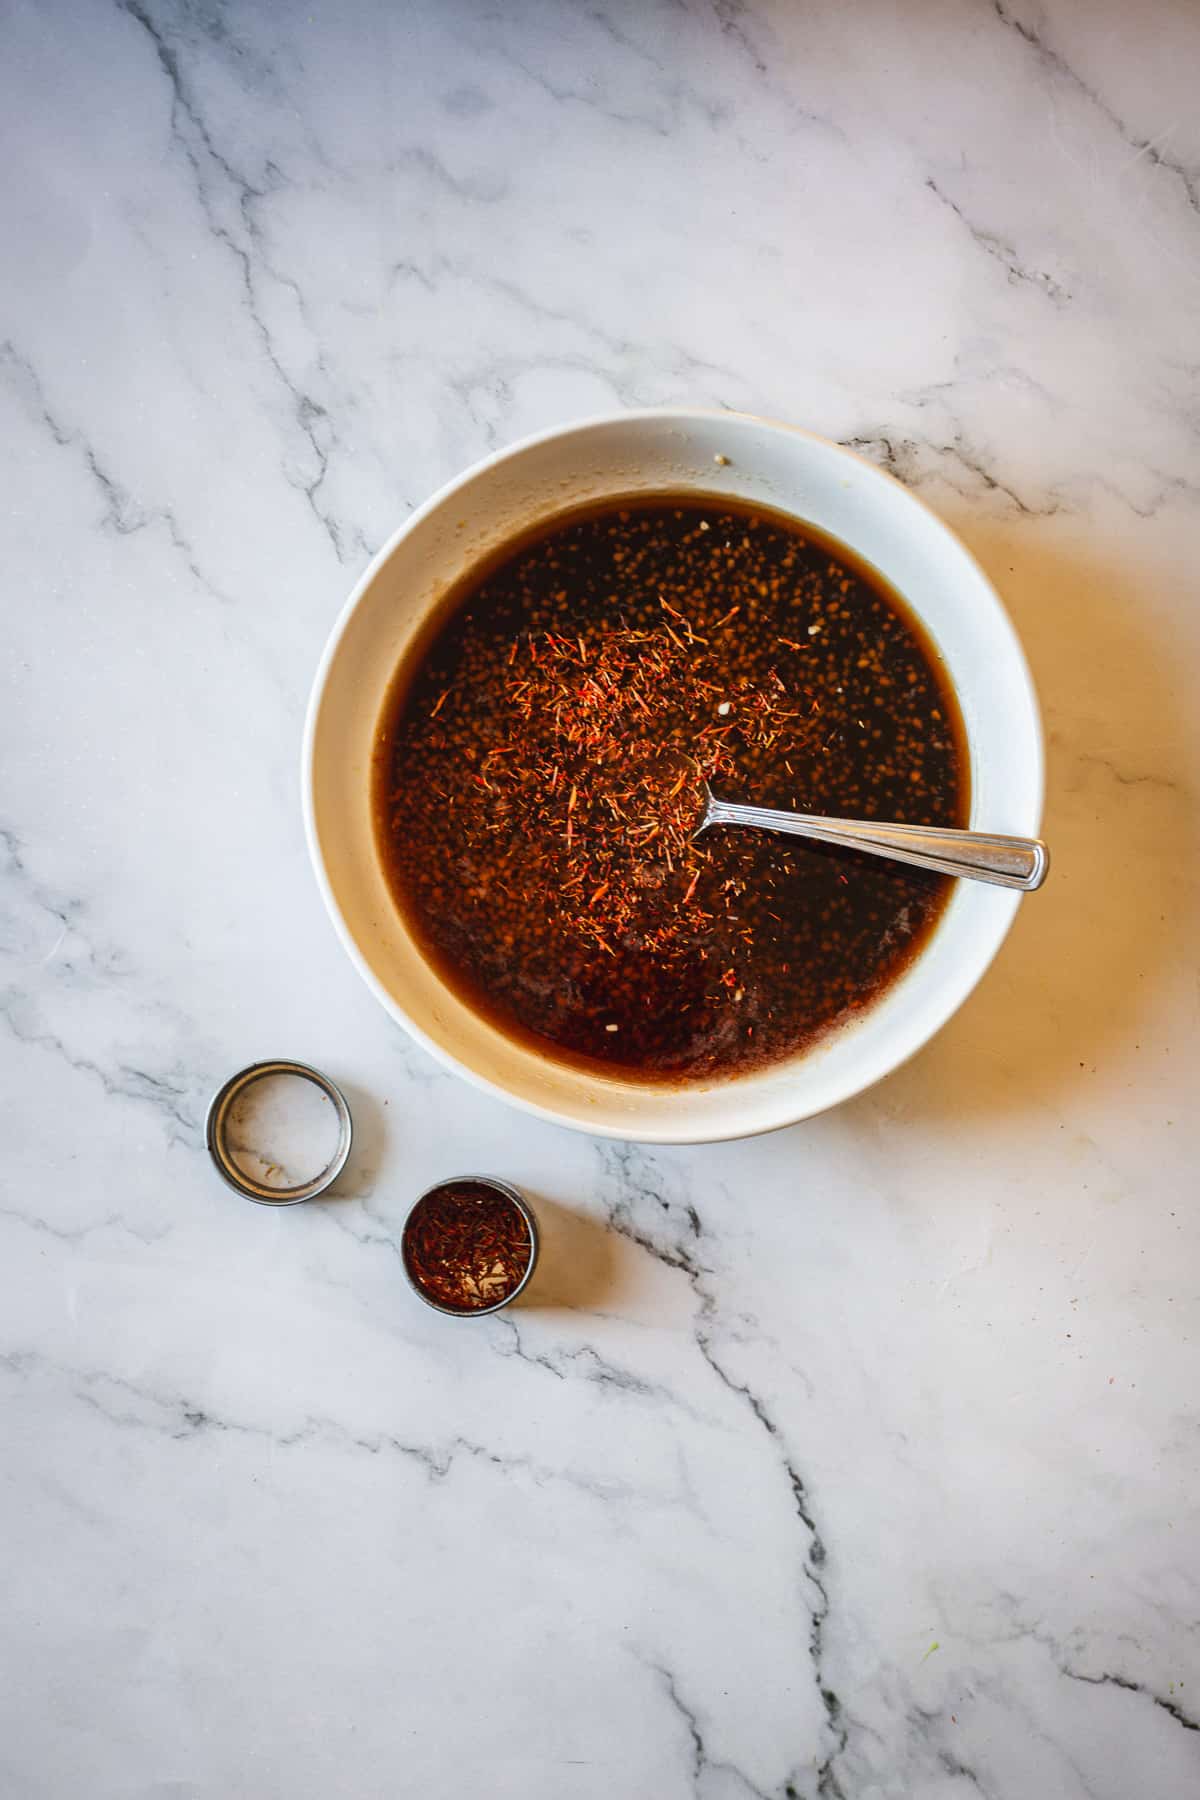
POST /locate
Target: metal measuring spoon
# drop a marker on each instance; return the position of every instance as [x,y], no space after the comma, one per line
[1011,862]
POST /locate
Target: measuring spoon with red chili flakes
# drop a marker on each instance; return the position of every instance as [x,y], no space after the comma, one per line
[469,1245]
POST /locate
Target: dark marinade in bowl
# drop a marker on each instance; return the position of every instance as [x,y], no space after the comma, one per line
[541,766]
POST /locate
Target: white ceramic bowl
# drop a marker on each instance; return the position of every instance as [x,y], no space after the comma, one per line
[639,452]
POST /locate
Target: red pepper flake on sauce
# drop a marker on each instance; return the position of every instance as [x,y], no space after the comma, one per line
[540,777]
[466,1246]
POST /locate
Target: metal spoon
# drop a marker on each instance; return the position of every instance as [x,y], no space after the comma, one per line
[1011,862]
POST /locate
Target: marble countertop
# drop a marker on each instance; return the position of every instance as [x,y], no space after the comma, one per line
[857,1461]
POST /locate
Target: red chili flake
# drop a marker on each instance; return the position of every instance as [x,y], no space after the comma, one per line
[466,1245]
[609,765]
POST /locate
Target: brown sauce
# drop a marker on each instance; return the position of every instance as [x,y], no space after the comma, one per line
[541,762]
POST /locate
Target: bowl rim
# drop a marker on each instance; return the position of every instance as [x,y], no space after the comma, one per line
[647,1133]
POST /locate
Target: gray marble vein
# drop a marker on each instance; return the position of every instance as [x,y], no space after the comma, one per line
[859,1462]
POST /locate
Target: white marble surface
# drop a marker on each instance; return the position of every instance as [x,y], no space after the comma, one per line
[859,1461]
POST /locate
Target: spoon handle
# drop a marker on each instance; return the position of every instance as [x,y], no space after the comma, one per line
[1011,862]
